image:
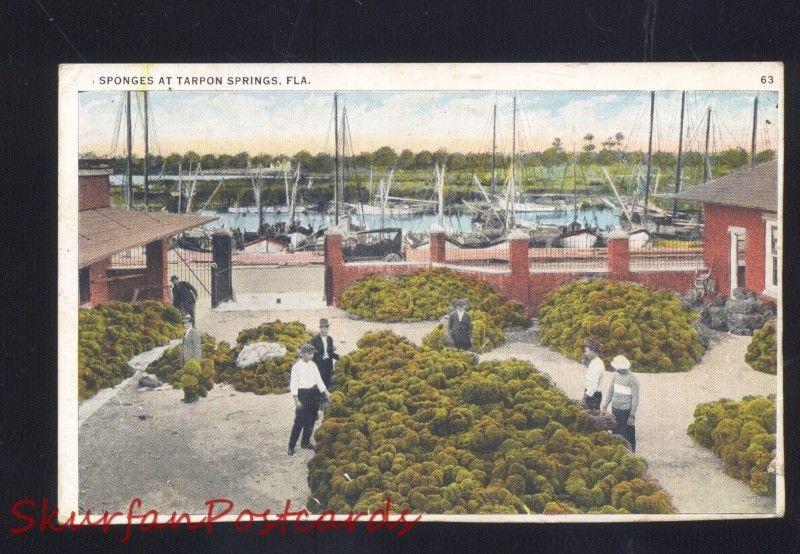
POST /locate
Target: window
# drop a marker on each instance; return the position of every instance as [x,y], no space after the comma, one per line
[773,252]
[84,285]
[741,256]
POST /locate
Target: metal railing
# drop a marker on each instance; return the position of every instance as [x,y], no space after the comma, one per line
[667,255]
[580,259]
[135,257]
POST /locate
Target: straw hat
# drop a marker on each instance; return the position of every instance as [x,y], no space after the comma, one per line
[307,348]
[620,362]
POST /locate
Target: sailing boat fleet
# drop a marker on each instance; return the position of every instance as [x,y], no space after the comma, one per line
[494,215]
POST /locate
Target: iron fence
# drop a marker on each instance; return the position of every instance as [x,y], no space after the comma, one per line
[579,259]
[134,258]
[487,255]
[191,266]
[667,255]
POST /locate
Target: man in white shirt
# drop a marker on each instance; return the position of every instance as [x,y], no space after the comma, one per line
[593,388]
[305,385]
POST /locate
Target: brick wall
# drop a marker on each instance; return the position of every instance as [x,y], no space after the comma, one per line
[109,284]
[716,237]
[98,284]
[94,192]
[516,282]
[127,284]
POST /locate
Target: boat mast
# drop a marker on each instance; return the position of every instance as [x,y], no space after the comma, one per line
[336,198]
[343,153]
[755,127]
[649,153]
[706,169]
[260,182]
[679,163]
[510,195]
[440,193]
[128,174]
[146,150]
[494,148]
[180,185]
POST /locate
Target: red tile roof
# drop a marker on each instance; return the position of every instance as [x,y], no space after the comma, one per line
[103,232]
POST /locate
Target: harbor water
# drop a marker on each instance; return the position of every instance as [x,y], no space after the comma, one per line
[598,217]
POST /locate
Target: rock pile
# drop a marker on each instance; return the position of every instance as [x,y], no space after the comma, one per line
[741,313]
[258,352]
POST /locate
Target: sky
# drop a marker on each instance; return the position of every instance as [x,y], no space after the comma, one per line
[458,121]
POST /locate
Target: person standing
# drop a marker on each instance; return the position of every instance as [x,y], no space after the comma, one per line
[460,325]
[192,344]
[593,388]
[324,352]
[184,296]
[623,395]
[305,386]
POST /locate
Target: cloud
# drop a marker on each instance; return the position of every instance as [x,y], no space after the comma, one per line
[285,122]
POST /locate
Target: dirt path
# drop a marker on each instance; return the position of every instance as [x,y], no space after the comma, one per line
[691,474]
[229,444]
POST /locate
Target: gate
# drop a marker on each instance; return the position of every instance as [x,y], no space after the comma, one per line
[192,266]
[221,268]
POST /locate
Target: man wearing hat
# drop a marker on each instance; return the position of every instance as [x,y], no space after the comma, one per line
[184,296]
[593,389]
[305,385]
[324,352]
[624,398]
[460,325]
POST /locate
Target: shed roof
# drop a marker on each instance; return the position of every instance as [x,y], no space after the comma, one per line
[754,187]
[89,172]
[103,232]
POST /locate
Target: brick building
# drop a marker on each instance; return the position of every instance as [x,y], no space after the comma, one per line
[741,235]
[105,232]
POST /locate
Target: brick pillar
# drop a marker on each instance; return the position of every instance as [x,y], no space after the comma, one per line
[157,265]
[334,264]
[437,245]
[98,283]
[519,265]
[619,256]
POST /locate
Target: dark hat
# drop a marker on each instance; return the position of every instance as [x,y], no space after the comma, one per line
[324,323]
[173,278]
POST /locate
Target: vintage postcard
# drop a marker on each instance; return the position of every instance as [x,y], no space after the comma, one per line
[460,292]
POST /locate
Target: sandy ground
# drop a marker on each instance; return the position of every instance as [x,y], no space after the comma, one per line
[691,474]
[149,444]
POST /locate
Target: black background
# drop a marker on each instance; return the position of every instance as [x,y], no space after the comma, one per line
[44,33]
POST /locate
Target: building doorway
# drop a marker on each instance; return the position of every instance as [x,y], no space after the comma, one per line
[738,244]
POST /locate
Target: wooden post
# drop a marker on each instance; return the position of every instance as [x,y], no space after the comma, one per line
[221,268]
[157,267]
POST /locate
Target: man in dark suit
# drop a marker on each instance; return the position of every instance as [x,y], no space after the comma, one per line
[460,325]
[324,352]
[184,296]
